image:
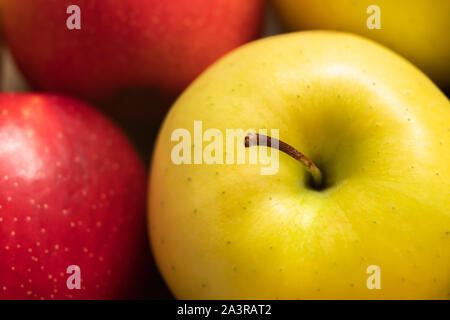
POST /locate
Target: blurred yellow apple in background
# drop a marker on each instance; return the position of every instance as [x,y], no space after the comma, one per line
[417,29]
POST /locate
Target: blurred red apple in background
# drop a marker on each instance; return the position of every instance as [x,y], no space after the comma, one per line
[72,192]
[124,44]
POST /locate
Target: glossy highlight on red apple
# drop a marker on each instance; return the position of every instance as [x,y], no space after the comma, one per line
[72,192]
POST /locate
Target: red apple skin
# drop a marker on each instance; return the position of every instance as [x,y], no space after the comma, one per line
[72,192]
[125,44]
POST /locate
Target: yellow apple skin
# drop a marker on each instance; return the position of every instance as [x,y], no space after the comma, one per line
[417,29]
[377,127]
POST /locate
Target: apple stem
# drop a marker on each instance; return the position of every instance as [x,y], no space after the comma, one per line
[253,139]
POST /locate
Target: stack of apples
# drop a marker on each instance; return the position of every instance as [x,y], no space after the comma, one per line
[358,208]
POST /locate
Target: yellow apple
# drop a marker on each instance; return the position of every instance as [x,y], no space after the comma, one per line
[417,29]
[379,131]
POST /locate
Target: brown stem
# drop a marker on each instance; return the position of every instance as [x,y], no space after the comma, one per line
[253,139]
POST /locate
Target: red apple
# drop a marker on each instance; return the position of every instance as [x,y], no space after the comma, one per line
[72,192]
[125,44]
